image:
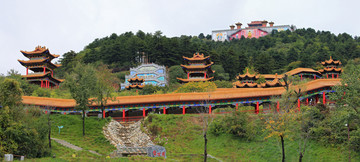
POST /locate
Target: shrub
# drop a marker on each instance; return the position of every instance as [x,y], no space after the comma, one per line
[197,87]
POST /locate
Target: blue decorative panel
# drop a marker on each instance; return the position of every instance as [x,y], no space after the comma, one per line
[161,78]
[161,71]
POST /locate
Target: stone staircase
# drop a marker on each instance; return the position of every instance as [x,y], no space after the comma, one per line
[127,137]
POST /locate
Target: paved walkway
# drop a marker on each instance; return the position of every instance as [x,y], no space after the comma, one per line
[69,145]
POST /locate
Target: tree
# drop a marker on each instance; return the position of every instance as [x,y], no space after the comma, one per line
[81,83]
[278,124]
[104,86]
[348,93]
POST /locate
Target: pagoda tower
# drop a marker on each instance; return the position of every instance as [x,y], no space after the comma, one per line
[332,68]
[43,69]
[197,68]
[136,83]
[274,83]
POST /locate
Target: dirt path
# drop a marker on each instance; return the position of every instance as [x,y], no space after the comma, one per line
[69,145]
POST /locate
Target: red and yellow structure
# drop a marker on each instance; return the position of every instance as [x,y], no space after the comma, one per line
[43,70]
[135,83]
[197,68]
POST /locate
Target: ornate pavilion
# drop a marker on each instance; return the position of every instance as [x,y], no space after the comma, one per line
[197,68]
[43,69]
[135,83]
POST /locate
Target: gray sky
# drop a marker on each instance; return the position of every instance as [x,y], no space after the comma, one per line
[64,25]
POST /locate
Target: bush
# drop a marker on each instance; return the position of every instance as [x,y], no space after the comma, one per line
[197,87]
[223,84]
[237,124]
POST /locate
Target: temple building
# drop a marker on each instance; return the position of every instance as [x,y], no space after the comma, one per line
[151,73]
[332,68]
[43,70]
[135,83]
[197,68]
[274,83]
[246,80]
[255,29]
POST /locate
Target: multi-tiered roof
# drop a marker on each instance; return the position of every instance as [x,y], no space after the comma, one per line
[43,69]
[136,83]
[331,69]
[198,68]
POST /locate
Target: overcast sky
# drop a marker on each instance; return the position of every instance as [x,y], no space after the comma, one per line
[64,25]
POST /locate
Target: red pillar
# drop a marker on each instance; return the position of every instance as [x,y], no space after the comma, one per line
[123,114]
[209,109]
[237,105]
[27,71]
[188,75]
[257,108]
[42,83]
[332,76]
[44,69]
[144,114]
[277,106]
[324,98]
[314,77]
[183,110]
[204,75]
[164,110]
[327,76]
[103,113]
[300,76]
[307,101]
[299,104]
[337,75]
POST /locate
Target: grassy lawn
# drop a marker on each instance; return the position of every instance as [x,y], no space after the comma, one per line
[185,137]
[72,132]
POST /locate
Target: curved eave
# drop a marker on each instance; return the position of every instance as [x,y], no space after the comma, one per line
[135,86]
[194,80]
[245,85]
[47,74]
[330,70]
[196,58]
[23,62]
[39,52]
[301,70]
[197,66]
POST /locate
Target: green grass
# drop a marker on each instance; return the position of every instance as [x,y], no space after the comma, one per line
[185,137]
[72,132]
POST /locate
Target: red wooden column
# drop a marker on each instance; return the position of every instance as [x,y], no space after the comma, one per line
[300,76]
[314,77]
[209,109]
[188,75]
[324,98]
[183,110]
[257,108]
[327,76]
[332,76]
[164,110]
[103,113]
[27,71]
[237,106]
[337,75]
[307,101]
[144,114]
[299,104]
[42,84]
[278,106]
[123,115]
[44,69]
